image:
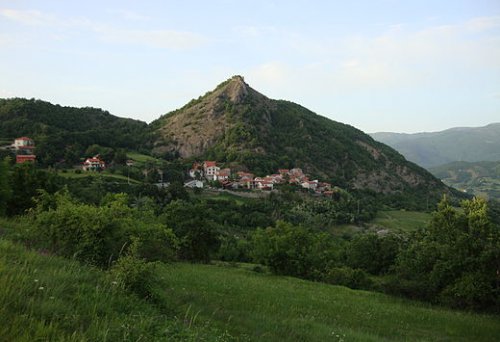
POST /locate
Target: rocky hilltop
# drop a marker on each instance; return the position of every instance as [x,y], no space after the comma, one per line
[238,125]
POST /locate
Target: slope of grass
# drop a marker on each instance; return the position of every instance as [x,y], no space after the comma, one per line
[49,298]
[44,298]
[121,178]
[141,158]
[401,220]
[262,307]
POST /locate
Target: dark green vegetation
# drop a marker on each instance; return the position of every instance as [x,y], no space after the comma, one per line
[66,133]
[478,178]
[470,144]
[237,125]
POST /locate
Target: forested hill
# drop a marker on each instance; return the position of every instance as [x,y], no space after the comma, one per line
[470,144]
[66,132]
[236,124]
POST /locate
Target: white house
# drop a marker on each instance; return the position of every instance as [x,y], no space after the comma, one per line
[94,164]
[210,169]
[194,184]
[312,185]
[23,145]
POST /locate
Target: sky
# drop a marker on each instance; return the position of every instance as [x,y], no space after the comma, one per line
[380,65]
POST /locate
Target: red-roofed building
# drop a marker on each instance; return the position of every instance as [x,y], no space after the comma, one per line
[263,184]
[210,169]
[223,175]
[25,158]
[94,164]
[24,145]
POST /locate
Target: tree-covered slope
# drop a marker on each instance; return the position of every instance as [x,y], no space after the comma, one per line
[236,124]
[456,144]
[59,130]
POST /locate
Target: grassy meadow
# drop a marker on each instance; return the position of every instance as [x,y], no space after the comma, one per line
[401,220]
[48,298]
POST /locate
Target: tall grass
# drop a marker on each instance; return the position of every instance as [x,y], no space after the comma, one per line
[44,298]
[262,307]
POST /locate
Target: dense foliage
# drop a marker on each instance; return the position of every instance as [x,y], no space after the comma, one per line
[455,261]
[66,133]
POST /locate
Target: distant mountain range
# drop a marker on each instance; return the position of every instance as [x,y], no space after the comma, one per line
[475,178]
[456,144]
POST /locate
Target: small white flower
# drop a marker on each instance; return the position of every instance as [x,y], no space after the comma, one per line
[41,288]
[114,283]
[36,280]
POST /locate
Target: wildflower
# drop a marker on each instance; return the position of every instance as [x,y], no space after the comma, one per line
[36,280]
[114,283]
[41,288]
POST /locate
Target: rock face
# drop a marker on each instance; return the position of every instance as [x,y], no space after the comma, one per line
[236,124]
[195,128]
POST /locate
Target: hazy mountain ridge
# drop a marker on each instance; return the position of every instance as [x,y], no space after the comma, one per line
[456,144]
[476,178]
[238,125]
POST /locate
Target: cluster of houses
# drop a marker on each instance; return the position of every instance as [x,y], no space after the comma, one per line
[209,170]
[24,149]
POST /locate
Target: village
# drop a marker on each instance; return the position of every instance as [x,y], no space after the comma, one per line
[201,175]
[210,172]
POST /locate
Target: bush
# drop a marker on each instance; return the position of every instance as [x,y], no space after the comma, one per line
[292,250]
[346,276]
[134,273]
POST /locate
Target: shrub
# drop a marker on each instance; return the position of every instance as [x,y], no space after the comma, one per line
[134,273]
[346,276]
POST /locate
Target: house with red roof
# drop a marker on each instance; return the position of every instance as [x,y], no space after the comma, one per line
[210,169]
[94,164]
[24,148]
[223,174]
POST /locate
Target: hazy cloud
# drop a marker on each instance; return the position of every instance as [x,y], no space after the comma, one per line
[169,39]
[483,23]
[27,17]
[129,15]
[158,38]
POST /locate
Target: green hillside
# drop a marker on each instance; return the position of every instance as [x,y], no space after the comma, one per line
[470,144]
[237,125]
[476,178]
[66,132]
[50,298]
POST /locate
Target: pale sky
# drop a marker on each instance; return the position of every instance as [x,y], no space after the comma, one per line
[402,66]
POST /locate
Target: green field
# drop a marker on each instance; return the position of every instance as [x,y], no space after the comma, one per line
[401,220]
[271,308]
[49,298]
[141,158]
[72,174]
